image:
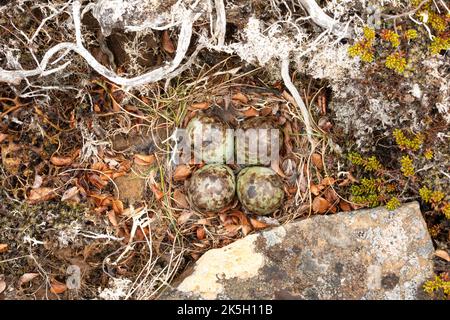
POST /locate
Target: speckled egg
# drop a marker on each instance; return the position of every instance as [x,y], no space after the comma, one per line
[260,190]
[217,145]
[247,149]
[211,188]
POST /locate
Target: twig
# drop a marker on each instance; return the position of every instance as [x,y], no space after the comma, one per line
[41,25]
[221,22]
[411,12]
[444,5]
[184,39]
[295,94]
[319,17]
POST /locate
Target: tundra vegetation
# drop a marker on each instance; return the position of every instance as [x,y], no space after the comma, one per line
[92,92]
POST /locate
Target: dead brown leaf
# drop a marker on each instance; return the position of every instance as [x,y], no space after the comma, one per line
[200,106]
[240,97]
[287,135]
[333,209]
[266,111]
[291,190]
[57,287]
[349,180]
[345,206]
[258,225]
[117,206]
[246,229]
[327,181]
[250,112]
[41,194]
[144,159]
[204,221]
[3,247]
[27,277]
[99,166]
[3,137]
[184,217]
[158,193]
[61,161]
[112,218]
[181,172]
[232,229]
[317,161]
[201,233]
[223,217]
[180,199]
[331,195]
[115,105]
[167,43]
[96,181]
[320,205]
[442,254]
[316,189]
[100,199]
[241,218]
[71,194]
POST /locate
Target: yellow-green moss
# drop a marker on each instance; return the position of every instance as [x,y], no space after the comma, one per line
[371,49]
[411,34]
[428,154]
[437,196]
[369,164]
[370,192]
[446,210]
[438,284]
[437,21]
[396,62]
[438,44]
[361,50]
[391,36]
[425,193]
[407,166]
[393,204]
[403,142]
[364,48]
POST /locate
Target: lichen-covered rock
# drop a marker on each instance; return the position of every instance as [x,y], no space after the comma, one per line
[367,254]
[260,190]
[211,188]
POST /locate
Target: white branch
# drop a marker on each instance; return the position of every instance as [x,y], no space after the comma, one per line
[298,99]
[221,22]
[155,75]
[319,17]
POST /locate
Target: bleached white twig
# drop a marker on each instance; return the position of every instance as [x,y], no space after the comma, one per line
[155,75]
[44,21]
[445,6]
[93,235]
[319,17]
[221,22]
[298,99]
[430,35]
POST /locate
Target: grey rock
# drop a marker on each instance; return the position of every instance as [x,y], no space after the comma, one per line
[366,254]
